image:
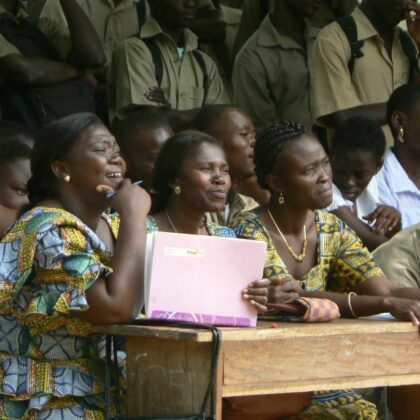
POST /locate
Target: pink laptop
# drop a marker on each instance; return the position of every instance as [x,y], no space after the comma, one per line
[200,278]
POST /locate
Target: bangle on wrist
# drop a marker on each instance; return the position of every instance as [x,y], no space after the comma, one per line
[349,303]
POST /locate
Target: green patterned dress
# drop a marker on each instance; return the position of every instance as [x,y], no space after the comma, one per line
[51,366]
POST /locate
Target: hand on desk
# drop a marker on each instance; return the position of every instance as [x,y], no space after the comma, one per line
[264,294]
[406,309]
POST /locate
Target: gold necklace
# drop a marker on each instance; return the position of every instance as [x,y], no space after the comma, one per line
[302,255]
[173,226]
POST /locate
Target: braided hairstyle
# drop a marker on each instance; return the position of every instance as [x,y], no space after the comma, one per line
[170,160]
[270,143]
[54,141]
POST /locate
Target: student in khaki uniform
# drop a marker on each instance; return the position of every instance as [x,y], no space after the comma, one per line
[273,71]
[114,20]
[254,12]
[340,94]
[133,73]
[399,258]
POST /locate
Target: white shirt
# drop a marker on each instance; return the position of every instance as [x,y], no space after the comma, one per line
[398,190]
[365,204]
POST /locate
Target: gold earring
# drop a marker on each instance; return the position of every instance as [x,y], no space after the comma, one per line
[177,190]
[67,178]
[281,198]
[401,135]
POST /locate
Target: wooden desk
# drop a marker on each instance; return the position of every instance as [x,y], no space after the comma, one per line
[167,368]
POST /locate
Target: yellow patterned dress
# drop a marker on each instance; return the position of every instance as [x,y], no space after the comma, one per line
[50,364]
[342,264]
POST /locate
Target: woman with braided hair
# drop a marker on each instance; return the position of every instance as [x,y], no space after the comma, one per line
[312,252]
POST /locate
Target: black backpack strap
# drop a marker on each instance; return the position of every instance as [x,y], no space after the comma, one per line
[349,27]
[410,51]
[200,60]
[264,8]
[141,12]
[156,57]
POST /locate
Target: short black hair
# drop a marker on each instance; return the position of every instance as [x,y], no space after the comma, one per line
[148,118]
[270,143]
[204,121]
[403,99]
[54,141]
[13,149]
[359,133]
[170,160]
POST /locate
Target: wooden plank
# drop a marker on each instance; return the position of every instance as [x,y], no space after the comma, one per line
[320,362]
[166,377]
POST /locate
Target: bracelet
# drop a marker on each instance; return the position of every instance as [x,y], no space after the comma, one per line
[349,303]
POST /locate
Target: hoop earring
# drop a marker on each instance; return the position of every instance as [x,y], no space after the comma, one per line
[66,178]
[177,190]
[401,135]
[281,198]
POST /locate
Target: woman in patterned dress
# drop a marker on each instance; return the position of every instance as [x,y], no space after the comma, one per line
[191,178]
[62,271]
[312,252]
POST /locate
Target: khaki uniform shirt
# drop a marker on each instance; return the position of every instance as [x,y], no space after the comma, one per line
[375,75]
[112,23]
[235,204]
[132,73]
[399,258]
[272,77]
[251,18]
[231,17]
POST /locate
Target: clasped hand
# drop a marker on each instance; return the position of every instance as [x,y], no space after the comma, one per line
[265,294]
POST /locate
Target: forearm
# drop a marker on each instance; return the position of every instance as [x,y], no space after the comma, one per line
[36,71]
[361,305]
[375,112]
[87,50]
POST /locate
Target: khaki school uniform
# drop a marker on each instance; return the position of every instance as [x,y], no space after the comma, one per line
[132,73]
[399,258]
[272,77]
[375,76]
[112,23]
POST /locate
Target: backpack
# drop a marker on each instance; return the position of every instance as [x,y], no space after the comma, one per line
[157,57]
[349,27]
[37,106]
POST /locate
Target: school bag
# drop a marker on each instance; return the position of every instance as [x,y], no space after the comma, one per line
[157,57]
[349,27]
[37,106]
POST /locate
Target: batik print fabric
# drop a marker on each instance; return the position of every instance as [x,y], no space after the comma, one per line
[342,261]
[50,364]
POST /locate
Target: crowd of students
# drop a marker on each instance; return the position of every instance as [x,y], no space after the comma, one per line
[263,120]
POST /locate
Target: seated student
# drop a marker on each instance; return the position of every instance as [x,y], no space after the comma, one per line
[356,156]
[254,11]
[140,136]
[43,67]
[399,178]
[14,174]
[314,250]
[62,270]
[237,133]
[272,75]
[399,258]
[164,56]
[15,130]
[191,178]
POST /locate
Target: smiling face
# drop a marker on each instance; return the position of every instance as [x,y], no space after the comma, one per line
[302,173]
[174,13]
[237,132]
[204,178]
[305,8]
[352,172]
[390,11]
[94,159]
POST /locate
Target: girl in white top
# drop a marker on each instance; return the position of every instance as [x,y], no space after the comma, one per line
[356,157]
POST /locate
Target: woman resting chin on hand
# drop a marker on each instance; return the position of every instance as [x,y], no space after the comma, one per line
[62,270]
